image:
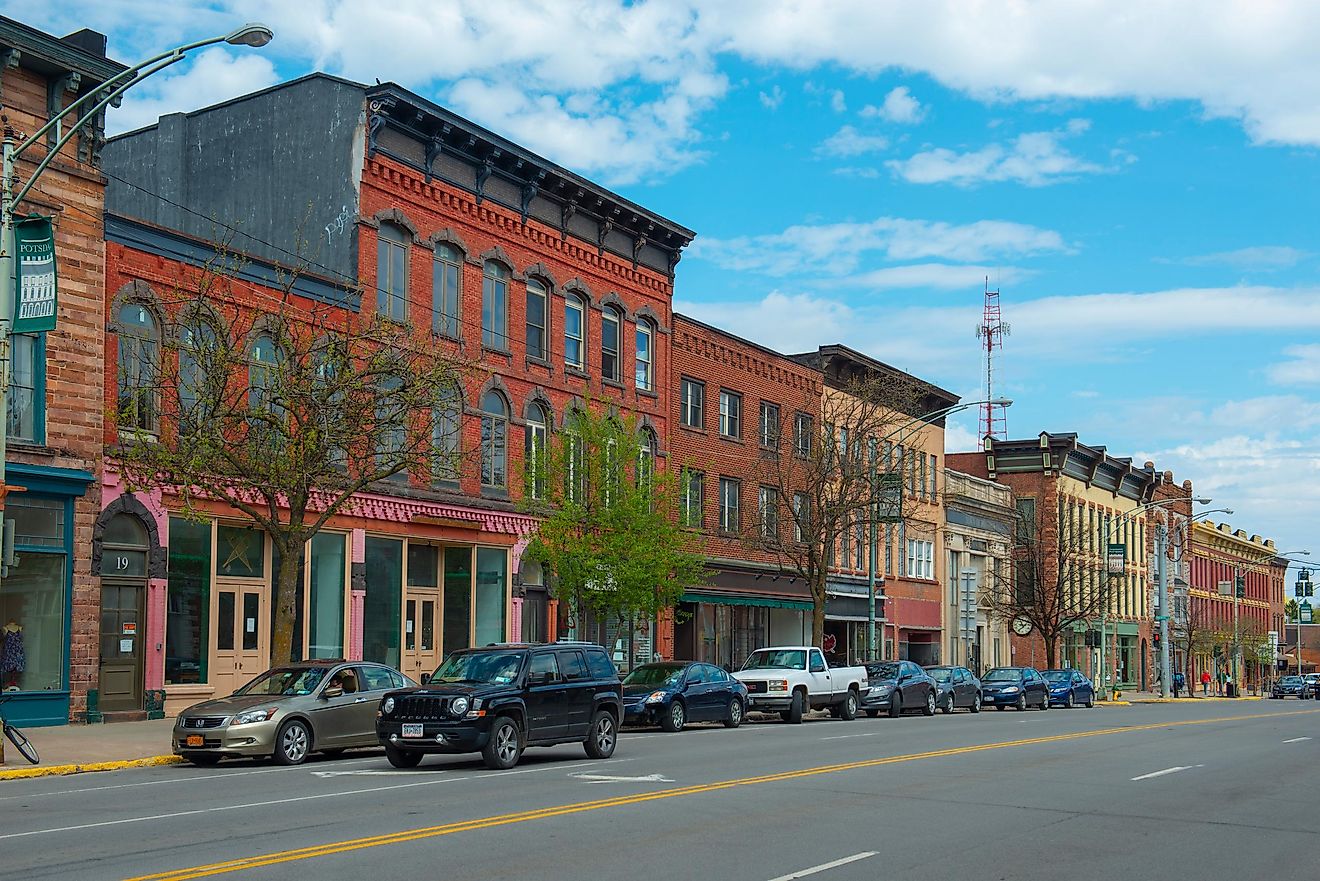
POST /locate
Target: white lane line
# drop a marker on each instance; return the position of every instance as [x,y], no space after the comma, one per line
[1297,740]
[610,778]
[1173,770]
[826,866]
[849,736]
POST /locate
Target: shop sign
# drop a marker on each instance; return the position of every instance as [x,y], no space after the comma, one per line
[34,302]
[1117,559]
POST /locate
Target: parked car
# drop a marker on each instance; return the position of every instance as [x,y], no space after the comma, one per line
[1290,686]
[1018,687]
[955,687]
[288,713]
[677,692]
[1313,684]
[796,678]
[896,686]
[1069,688]
[501,699]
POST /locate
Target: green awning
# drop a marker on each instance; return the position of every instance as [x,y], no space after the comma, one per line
[764,602]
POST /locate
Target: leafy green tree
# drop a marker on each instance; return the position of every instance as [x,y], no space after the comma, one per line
[609,533]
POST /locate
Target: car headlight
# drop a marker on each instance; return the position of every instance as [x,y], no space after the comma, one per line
[655,697]
[387,706]
[250,716]
[459,706]
[777,685]
[883,690]
[1010,689]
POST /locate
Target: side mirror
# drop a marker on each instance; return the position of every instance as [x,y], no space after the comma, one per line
[424,678]
[332,691]
[539,678]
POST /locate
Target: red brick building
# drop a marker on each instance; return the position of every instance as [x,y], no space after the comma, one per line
[556,287]
[733,401]
[51,600]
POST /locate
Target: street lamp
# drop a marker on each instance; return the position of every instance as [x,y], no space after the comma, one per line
[88,108]
[870,575]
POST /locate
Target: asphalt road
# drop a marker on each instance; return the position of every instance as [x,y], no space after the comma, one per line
[1206,791]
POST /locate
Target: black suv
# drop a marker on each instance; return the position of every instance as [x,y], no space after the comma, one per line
[503,698]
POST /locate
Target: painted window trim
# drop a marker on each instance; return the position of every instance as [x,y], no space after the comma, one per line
[38,393]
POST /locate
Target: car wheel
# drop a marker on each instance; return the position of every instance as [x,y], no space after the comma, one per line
[1090,700]
[1045,702]
[896,705]
[947,708]
[203,760]
[799,707]
[1068,701]
[784,715]
[602,737]
[929,708]
[504,747]
[1021,703]
[976,703]
[874,714]
[848,709]
[293,742]
[735,715]
[403,758]
[675,718]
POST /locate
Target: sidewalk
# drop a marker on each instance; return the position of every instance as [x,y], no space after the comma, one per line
[70,749]
[1153,697]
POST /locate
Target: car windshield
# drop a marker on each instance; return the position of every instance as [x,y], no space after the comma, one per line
[1292,680]
[1058,676]
[285,681]
[767,659]
[1003,674]
[882,671]
[940,674]
[491,668]
[656,674]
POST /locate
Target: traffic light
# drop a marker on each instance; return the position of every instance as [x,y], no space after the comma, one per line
[1240,586]
[1156,638]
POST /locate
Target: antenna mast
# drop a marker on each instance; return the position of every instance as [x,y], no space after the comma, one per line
[991,333]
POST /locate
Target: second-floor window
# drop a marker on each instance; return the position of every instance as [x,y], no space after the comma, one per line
[920,559]
[139,361]
[495,306]
[692,400]
[730,515]
[801,517]
[447,434]
[445,291]
[536,314]
[693,498]
[609,343]
[645,336]
[392,272]
[494,435]
[768,512]
[27,387]
[769,427]
[730,414]
[537,438]
[802,434]
[575,332]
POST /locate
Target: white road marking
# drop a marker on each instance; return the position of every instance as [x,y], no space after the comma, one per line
[608,778]
[1297,740]
[826,866]
[847,736]
[1173,770]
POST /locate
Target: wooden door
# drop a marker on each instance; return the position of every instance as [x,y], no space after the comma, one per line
[421,648]
[240,647]
[122,625]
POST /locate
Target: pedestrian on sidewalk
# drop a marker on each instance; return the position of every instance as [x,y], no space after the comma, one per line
[1205,683]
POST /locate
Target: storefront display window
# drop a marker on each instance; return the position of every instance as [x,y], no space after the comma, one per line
[34,601]
[240,552]
[492,577]
[458,598]
[187,602]
[325,638]
[380,618]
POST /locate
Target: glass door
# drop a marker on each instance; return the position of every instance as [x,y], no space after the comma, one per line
[421,649]
[241,613]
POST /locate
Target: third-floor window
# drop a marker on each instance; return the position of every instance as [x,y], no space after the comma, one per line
[536,324]
[645,357]
[730,414]
[392,272]
[575,332]
[769,426]
[692,397]
[445,291]
[495,306]
[609,343]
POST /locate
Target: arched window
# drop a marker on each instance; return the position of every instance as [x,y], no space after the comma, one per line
[495,305]
[139,362]
[494,434]
[447,433]
[392,418]
[197,350]
[446,290]
[646,457]
[538,422]
[262,369]
[645,356]
[610,323]
[536,320]
[392,246]
[575,332]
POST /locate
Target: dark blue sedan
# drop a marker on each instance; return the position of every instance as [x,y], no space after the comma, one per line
[1069,688]
[677,692]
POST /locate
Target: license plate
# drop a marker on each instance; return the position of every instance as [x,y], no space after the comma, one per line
[412,730]
[196,740]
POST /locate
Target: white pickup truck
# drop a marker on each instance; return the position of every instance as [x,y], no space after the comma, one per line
[796,678]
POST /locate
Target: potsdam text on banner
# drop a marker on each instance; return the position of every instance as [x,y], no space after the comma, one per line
[34,307]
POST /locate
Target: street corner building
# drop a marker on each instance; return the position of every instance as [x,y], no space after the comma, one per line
[557,288]
[50,597]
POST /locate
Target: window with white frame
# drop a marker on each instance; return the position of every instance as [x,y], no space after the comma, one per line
[920,559]
[730,414]
[645,357]
[767,504]
[611,323]
[801,516]
[692,403]
[730,516]
[769,425]
[802,434]
[693,496]
[575,333]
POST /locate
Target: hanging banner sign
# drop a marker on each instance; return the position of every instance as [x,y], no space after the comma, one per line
[34,301]
[1116,559]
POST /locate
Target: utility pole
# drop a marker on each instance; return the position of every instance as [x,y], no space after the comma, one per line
[870,568]
[1162,552]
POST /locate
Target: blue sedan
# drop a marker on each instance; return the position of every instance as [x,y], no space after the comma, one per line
[677,692]
[1069,688]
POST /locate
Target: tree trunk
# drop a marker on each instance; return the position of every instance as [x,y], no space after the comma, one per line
[818,612]
[286,602]
[1050,649]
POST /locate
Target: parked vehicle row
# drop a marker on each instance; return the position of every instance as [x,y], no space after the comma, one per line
[502,699]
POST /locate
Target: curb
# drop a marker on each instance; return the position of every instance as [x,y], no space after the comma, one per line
[1193,700]
[1113,703]
[62,770]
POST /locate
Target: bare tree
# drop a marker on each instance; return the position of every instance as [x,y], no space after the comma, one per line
[838,474]
[281,409]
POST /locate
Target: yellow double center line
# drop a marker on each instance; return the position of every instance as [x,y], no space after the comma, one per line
[401,837]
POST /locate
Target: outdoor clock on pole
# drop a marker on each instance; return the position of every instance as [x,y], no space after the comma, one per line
[1021,626]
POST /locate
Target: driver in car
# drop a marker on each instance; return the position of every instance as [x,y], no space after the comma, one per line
[345,679]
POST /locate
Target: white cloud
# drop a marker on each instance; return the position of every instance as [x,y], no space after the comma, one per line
[213,76]
[772,99]
[936,276]
[836,248]
[1035,158]
[1302,368]
[899,106]
[848,141]
[958,438]
[837,101]
[1260,257]
[779,320]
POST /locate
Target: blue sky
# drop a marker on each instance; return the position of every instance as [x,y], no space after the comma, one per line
[1139,181]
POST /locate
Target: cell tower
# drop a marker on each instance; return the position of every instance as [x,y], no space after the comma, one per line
[991,333]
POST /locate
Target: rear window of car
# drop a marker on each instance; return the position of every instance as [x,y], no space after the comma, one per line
[571,665]
[600,665]
[378,678]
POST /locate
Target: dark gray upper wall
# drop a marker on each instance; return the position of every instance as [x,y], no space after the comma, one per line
[276,173]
